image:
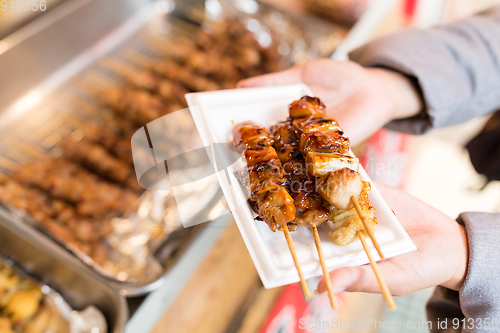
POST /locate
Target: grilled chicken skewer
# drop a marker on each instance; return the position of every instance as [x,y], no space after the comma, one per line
[194,82]
[67,181]
[59,218]
[327,156]
[229,53]
[300,185]
[310,211]
[266,177]
[139,106]
[169,90]
[171,70]
[115,144]
[97,159]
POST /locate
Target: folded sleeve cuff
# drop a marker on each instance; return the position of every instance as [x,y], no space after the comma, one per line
[480,292]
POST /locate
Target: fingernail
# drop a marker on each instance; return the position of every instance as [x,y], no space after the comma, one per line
[317,293]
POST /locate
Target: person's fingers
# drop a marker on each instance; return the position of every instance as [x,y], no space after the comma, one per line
[289,76]
[362,279]
[344,278]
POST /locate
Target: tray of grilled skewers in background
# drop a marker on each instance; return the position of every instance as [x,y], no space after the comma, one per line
[225,119]
[66,164]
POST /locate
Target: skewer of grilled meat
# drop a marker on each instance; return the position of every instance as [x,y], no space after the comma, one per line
[321,139]
[327,153]
[347,222]
[300,185]
[266,175]
[67,181]
[310,211]
[327,157]
[229,52]
[145,79]
[97,159]
[117,145]
[139,106]
[194,82]
[169,90]
[57,217]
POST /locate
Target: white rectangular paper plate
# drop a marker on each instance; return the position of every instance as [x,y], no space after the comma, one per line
[215,114]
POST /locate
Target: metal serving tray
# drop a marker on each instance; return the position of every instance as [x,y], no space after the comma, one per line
[51,264]
[37,105]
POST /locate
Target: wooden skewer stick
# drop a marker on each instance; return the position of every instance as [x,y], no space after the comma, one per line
[186,27]
[100,80]
[383,286]
[303,282]
[178,50]
[326,275]
[117,66]
[7,164]
[88,107]
[163,47]
[138,58]
[87,87]
[370,233]
[33,151]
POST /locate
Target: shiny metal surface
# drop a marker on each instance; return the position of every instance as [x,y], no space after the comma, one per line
[41,125]
[36,101]
[51,264]
[30,55]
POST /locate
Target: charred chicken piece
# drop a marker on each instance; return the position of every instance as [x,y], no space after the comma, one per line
[347,222]
[97,159]
[306,107]
[173,71]
[302,187]
[169,90]
[319,164]
[114,143]
[248,135]
[321,141]
[266,175]
[324,142]
[139,106]
[264,170]
[276,207]
[284,133]
[339,186]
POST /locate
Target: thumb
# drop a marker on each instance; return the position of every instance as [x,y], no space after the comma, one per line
[289,76]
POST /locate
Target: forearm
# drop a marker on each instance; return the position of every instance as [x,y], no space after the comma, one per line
[456,67]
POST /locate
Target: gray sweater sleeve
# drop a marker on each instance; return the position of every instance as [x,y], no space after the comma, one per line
[457,67]
[478,301]
[480,292]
